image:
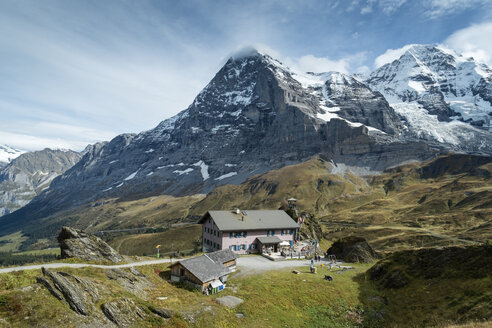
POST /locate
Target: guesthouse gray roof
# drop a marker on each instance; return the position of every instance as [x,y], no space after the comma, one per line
[253,220]
[269,240]
[222,256]
[204,268]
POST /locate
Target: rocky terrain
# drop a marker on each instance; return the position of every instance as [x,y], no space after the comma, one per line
[76,243]
[353,249]
[31,173]
[82,294]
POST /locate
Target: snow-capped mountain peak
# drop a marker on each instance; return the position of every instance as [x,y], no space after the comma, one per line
[7,154]
[458,88]
[257,114]
[442,95]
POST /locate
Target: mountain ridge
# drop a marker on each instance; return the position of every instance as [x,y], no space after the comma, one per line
[255,115]
[29,174]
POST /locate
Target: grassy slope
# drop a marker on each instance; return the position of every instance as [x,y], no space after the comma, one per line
[272,299]
[11,242]
[177,239]
[311,182]
[406,210]
[157,212]
[441,202]
[449,285]
[444,202]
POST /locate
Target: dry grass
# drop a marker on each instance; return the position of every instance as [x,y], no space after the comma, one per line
[176,239]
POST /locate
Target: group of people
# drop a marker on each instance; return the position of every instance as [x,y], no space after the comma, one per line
[316,258]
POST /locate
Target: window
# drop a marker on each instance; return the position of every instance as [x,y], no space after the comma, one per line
[268,233]
[273,232]
[230,235]
[245,234]
[243,246]
[230,247]
[282,233]
[291,231]
[215,233]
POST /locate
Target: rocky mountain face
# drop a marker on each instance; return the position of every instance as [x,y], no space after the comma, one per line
[256,115]
[77,243]
[443,97]
[31,173]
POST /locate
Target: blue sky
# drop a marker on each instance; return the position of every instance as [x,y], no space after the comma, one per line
[77,72]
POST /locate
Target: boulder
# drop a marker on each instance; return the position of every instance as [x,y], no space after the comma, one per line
[73,294]
[132,281]
[76,243]
[353,249]
[229,301]
[123,312]
[46,283]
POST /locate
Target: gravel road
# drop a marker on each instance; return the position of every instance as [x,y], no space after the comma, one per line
[246,265]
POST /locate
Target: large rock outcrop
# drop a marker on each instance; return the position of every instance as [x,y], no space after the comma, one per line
[72,292]
[83,294]
[76,243]
[123,312]
[353,249]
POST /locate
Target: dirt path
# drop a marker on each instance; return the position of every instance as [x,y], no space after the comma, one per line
[246,265]
[421,230]
[83,265]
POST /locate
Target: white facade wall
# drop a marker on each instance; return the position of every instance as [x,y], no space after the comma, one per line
[211,236]
[213,239]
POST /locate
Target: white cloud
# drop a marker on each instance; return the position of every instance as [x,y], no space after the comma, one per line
[390,55]
[438,8]
[474,41]
[311,63]
[31,143]
[34,135]
[366,10]
[390,6]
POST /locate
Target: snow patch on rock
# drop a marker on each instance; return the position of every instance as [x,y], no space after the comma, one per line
[227,175]
[203,169]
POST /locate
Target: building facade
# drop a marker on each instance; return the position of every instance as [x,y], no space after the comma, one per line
[241,231]
[207,271]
